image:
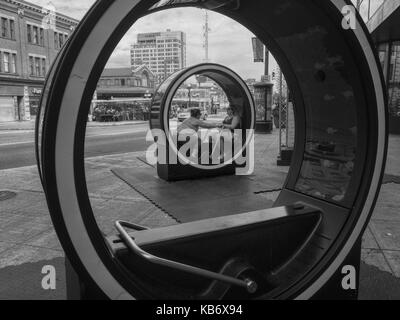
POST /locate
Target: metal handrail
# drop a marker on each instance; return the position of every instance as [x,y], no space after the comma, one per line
[248,284]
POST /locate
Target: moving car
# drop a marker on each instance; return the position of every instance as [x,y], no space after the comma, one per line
[182,116]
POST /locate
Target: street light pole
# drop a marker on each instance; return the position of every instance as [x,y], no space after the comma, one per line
[266,64]
[189,88]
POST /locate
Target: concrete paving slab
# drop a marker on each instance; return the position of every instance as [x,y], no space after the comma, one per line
[22,200]
[107,212]
[11,179]
[22,229]
[27,254]
[393,161]
[375,258]
[4,246]
[46,240]
[388,203]
[386,234]
[368,240]
[393,259]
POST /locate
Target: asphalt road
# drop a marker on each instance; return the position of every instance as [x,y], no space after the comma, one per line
[17,147]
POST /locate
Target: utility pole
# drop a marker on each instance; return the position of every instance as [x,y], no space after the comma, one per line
[206,33]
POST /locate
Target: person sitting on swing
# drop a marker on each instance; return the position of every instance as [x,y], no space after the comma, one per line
[233,119]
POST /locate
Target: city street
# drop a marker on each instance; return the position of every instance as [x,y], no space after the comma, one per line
[17,147]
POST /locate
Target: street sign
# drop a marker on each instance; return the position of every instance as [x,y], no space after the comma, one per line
[258,50]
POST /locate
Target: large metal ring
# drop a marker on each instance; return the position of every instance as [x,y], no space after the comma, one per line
[340,111]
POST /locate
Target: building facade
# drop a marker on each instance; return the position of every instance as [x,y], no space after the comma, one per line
[118,83]
[30,39]
[384,25]
[162,52]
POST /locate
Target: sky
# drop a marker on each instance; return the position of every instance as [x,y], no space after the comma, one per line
[229,42]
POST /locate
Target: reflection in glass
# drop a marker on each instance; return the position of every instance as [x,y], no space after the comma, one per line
[331,118]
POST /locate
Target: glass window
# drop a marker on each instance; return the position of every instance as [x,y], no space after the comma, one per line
[43,67]
[37,66]
[61,39]
[31,66]
[12,29]
[14,63]
[382,52]
[4,27]
[6,62]
[35,35]
[41,37]
[29,32]
[56,44]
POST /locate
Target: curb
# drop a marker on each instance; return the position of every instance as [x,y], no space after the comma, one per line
[116,124]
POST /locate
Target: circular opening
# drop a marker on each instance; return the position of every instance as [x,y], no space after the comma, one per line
[355,85]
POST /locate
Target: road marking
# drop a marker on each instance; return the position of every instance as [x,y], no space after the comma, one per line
[113,134]
[4,132]
[16,143]
[93,136]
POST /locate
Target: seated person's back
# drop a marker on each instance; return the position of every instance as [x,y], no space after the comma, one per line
[194,122]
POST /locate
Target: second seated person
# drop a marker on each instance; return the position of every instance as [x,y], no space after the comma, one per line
[194,123]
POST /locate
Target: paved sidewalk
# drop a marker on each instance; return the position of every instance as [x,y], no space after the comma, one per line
[30,125]
[28,240]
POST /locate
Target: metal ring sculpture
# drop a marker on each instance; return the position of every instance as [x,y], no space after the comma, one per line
[341,137]
[237,92]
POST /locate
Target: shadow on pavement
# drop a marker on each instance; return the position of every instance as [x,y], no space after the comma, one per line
[24,283]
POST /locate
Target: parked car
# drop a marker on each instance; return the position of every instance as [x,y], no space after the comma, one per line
[182,116]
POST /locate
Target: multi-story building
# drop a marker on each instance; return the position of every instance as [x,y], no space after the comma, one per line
[30,39]
[162,52]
